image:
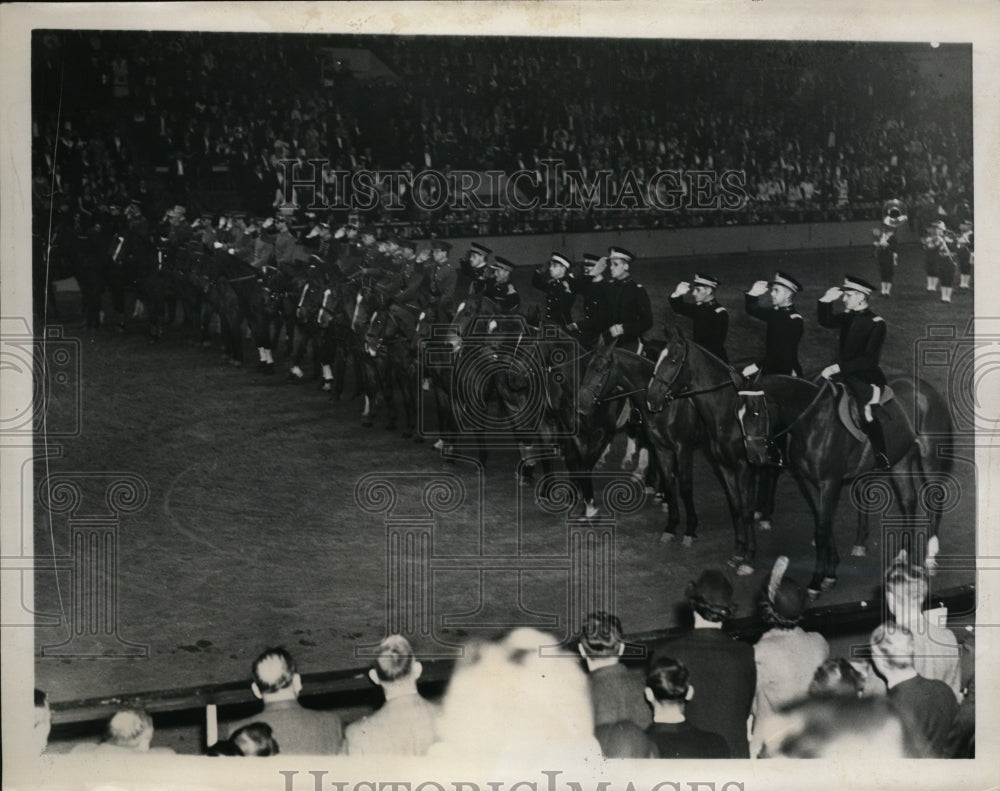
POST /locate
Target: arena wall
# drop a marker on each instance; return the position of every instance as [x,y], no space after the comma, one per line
[685,242]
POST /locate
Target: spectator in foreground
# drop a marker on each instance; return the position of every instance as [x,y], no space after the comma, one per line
[407,723]
[255,739]
[625,739]
[722,669]
[668,691]
[520,699]
[299,730]
[837,678]
[936,653]
[616,692]
[786,655]
[840,728]
[927,706]
[128,731]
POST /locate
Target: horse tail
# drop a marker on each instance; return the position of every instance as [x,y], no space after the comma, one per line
[932,421]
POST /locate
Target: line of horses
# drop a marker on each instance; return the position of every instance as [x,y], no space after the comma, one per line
[492,379]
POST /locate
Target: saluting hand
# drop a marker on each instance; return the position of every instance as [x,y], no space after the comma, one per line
[832,294]
[758,288]
[682,288]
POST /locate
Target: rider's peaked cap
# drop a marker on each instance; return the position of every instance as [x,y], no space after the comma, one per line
[706,280]
[852,283]
[621,253]
[475,247]
[559,258]
[502,263]
[441,244]
[712,593]
[786,280]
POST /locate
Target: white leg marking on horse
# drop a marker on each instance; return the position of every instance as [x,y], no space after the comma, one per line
[365,411]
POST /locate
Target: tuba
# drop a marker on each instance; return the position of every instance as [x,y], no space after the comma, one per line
[894,212]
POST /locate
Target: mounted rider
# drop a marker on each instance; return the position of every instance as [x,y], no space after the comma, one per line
[711,320]
[862,335]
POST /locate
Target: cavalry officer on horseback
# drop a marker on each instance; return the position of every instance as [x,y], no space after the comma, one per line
[552,278]
[441,282]
[593,286]
[627,312]
[784,325]
[475,270]
[500,290]
[862,334]
[711,321]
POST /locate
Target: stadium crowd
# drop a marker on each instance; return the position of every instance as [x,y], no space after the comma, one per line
[821,131]
[700,693]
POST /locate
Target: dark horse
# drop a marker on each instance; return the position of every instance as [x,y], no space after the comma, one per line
[391,341]
[823,454]
[674,432]
[687,371]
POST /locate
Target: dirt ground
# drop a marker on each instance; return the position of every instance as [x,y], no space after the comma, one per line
[252,534]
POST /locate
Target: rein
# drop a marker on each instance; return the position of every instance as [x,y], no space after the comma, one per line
[790,426]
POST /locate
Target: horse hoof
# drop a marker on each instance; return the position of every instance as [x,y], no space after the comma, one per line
[812,593]
[667,538]
[744,570]
[764,524]
[735,561]
[590,511]
[757,516]
[828,583]
[665,507]
[858,551]
[626,464]
[650,490]
[687,541]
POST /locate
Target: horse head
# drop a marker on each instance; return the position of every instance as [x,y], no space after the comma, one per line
[755,423]
[596,378]
[671,375]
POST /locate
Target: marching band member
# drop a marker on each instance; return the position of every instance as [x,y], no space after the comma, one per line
[885,244]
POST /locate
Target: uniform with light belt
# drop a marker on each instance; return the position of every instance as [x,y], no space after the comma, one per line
[500,290]
[592,285]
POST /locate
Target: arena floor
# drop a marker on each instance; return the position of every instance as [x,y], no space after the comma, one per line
[252,536]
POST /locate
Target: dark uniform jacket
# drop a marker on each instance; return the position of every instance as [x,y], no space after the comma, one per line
[473,282]
[784,331]
[627,303]
[441,283]
[559,297]
[594,310]
[711,324]
[284,249]
[862,334]
[505,296]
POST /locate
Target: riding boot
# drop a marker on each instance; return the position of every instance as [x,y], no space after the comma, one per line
[874,431]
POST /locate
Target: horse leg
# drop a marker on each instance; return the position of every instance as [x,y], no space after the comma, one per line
[825,574]
[667,463]
[766,483]
[685,483]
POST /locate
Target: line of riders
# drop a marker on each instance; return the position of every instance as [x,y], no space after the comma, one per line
[379,305]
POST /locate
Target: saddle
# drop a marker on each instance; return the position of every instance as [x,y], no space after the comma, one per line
[899,434]
[847,410]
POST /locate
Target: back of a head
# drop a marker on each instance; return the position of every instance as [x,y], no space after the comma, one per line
[131,728]
[892,647]
[837,677]
[273,670]
[711,596]
[255,739]
[395,659]
[668,680]
[905,584]
[601,635]
[223,747]
[511,697]
[839,728]
[625,739]
[42,721]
